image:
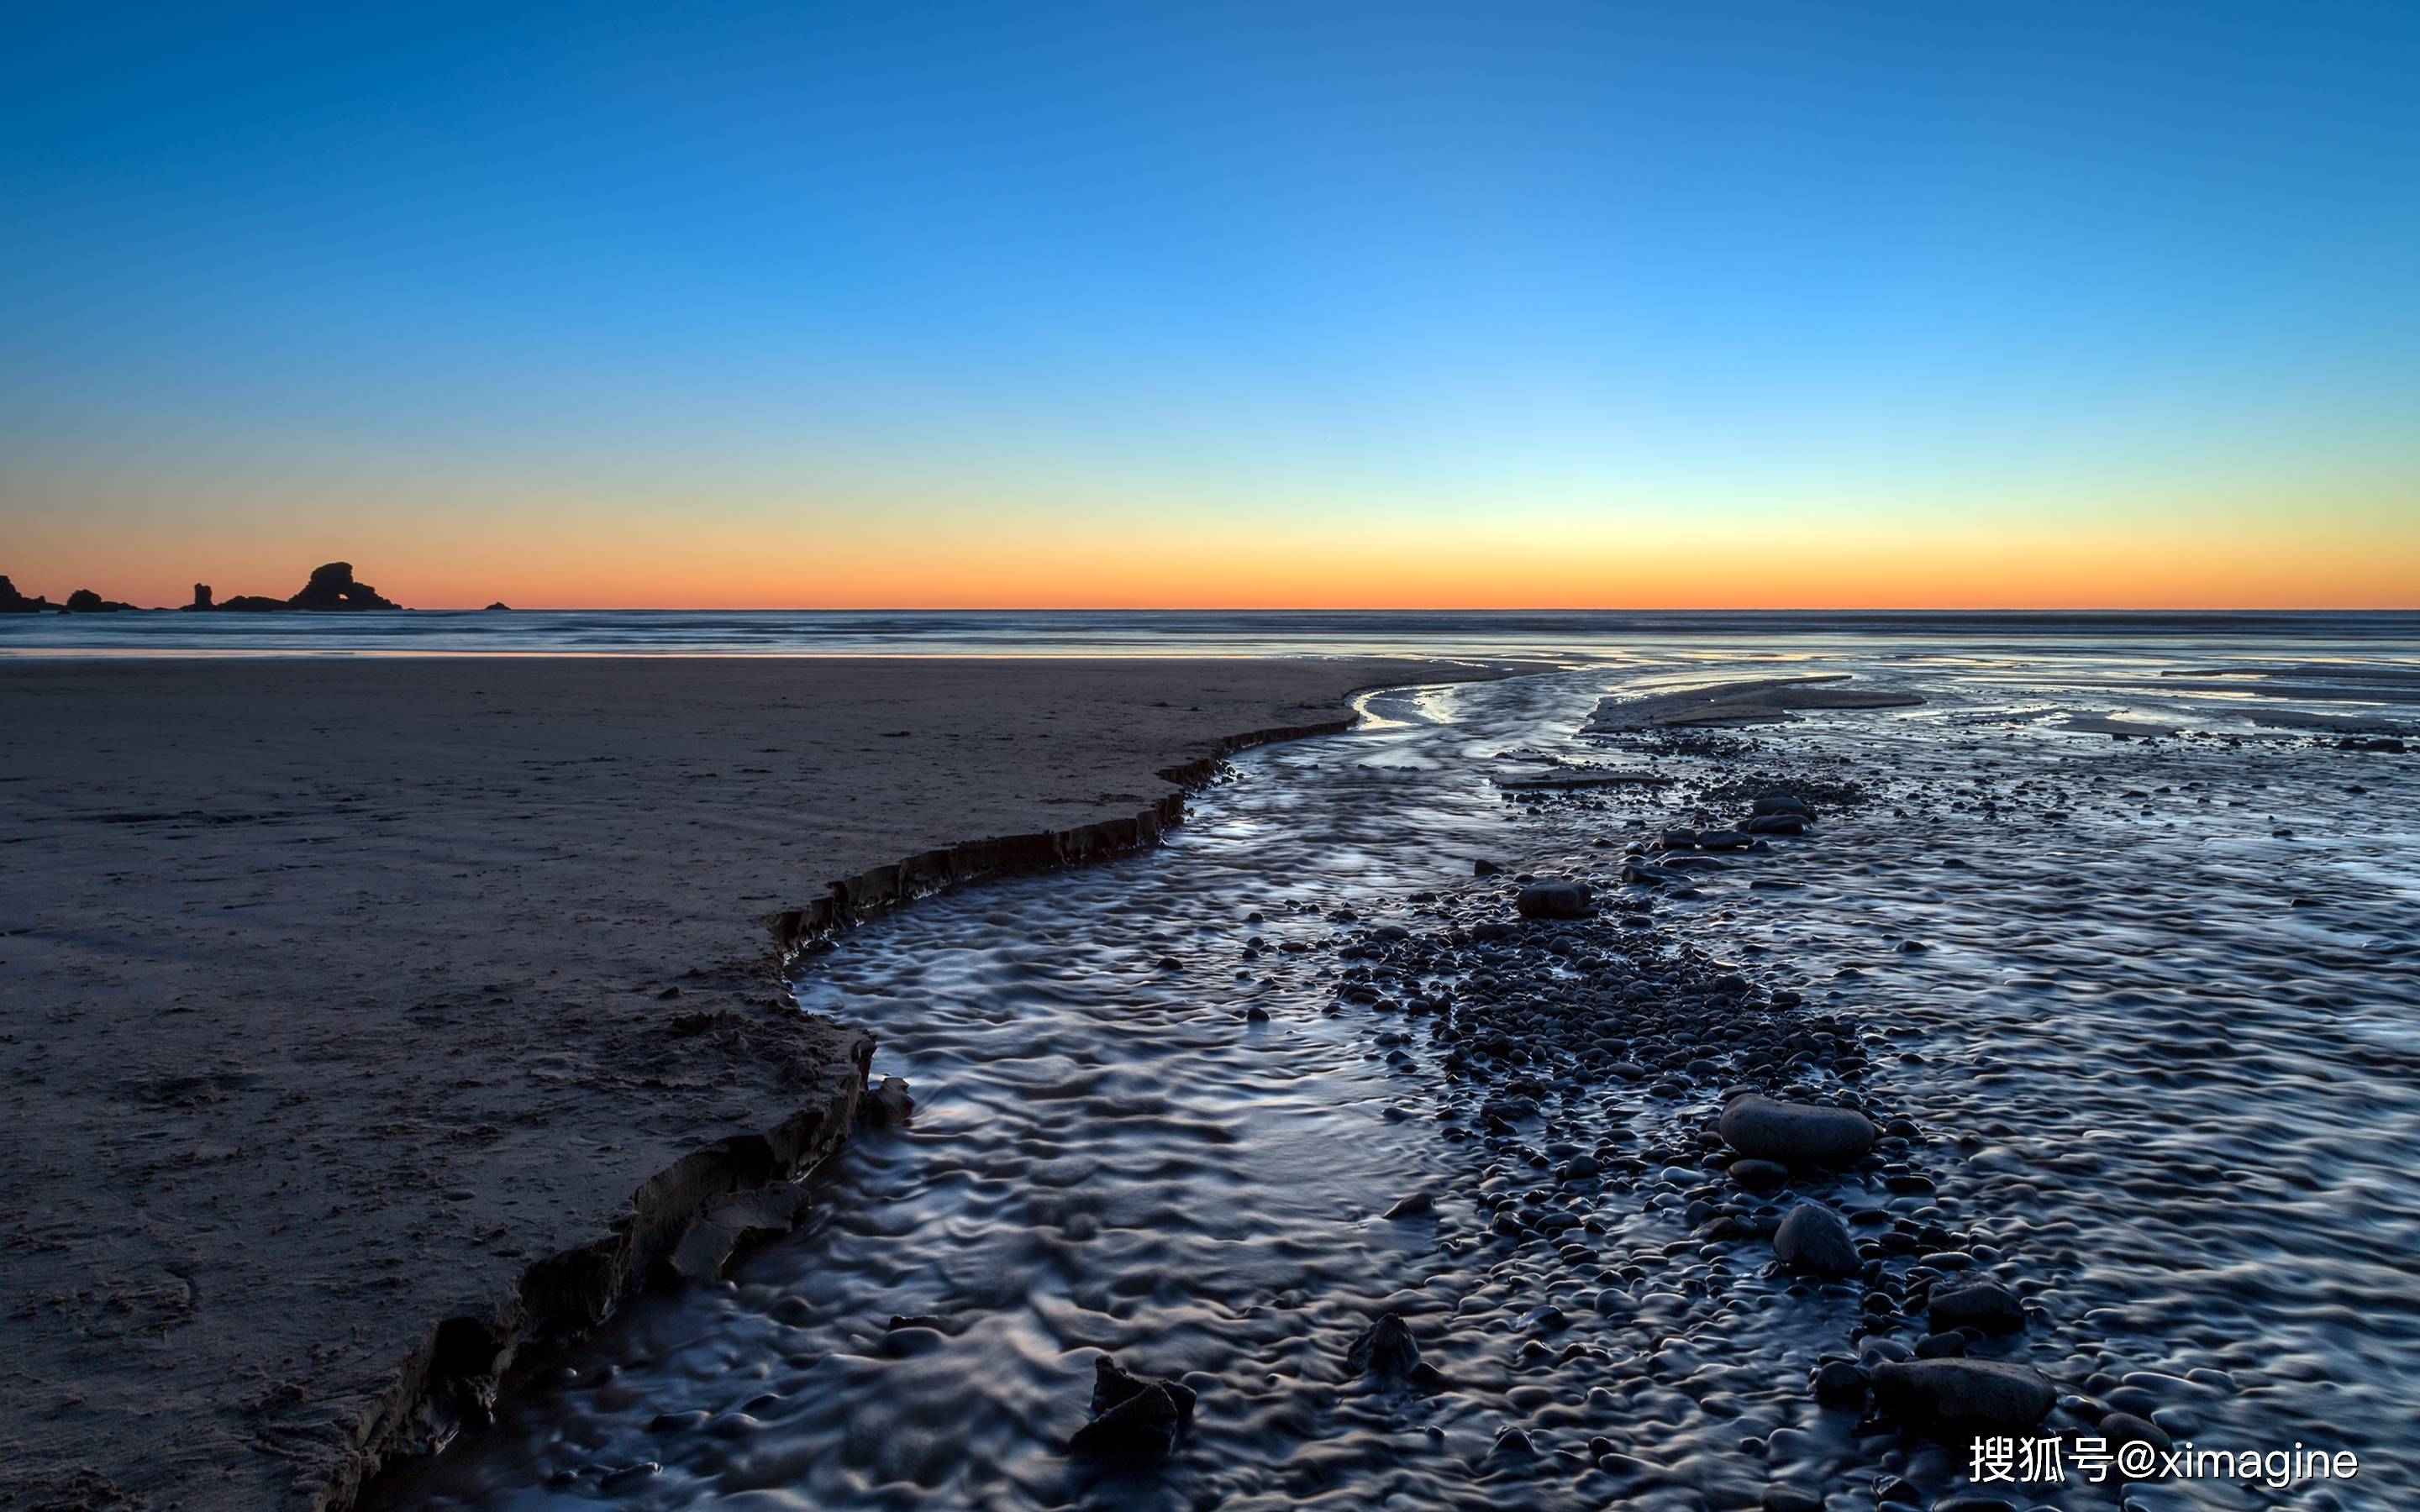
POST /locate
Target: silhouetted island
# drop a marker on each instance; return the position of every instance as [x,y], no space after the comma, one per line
[84,601]
[13,602]
[332,589]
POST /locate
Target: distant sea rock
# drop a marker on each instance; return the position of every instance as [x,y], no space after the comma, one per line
[13,602]
[331,590]
[84,601]
[332,587]
[500,606]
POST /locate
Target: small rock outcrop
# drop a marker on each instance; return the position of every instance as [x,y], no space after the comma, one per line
[886,1104]
[1795,1134]
[201,597]
[1389,1355]
[1134,1421]
[84,601]
[13,602]
[499,606]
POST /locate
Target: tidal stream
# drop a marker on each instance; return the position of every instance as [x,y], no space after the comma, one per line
[2145,1010]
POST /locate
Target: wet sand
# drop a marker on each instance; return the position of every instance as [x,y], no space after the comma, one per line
[339,993]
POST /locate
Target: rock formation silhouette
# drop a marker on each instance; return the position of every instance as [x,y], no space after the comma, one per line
[13,602]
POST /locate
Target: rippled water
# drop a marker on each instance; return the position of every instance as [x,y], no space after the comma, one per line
[2152,1006]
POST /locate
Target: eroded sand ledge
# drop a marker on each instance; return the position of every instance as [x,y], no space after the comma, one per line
[347,1001]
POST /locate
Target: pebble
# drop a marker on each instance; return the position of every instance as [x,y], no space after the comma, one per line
[1961,1394]
[1795,1134]
[1812,1241]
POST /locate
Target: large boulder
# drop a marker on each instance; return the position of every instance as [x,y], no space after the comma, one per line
[84,601]
[1812,1241]
[331,587]
[1795,1134]
[1963,1394]
[1555,899]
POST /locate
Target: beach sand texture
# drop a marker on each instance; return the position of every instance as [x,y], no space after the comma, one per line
[340,992]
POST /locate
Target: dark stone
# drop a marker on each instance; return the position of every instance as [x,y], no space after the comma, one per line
[201,597]
[1142,1430]
[1984,1305]
[1795,1134]
[1964,1394]
[1387,1353]
[1759,1176]
[499,606]
[1555,899]
[1812,1241]
[1776,823]
[2125,1427]
[886,1104]
[84,601]
[1839,1383]
[1418,1204]
[1780,802]
[1112,1387]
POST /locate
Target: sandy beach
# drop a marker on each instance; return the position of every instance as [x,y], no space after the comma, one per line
[343,993]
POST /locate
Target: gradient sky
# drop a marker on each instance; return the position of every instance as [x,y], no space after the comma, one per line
[1141,304]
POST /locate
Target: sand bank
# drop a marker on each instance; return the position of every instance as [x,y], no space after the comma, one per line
[347,997]
[1759,701]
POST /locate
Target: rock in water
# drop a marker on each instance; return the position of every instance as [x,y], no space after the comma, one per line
[886,1104]
[1134,1421]
[1419,1204]
[1813,1241]
[1142,1430]
[13,602]
[1112,1387]
[1387,1353]
[1795,1134]
[84,601]
[1984,1305]
[1555,899]
[1964,1394]
[331,587]
[201,597]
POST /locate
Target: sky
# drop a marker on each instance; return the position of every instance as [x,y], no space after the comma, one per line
[1399,304]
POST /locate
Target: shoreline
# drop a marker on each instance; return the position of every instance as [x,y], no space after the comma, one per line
[698,1211]
[265,1365]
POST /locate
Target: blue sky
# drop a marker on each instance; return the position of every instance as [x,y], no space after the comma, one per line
[1036,271]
